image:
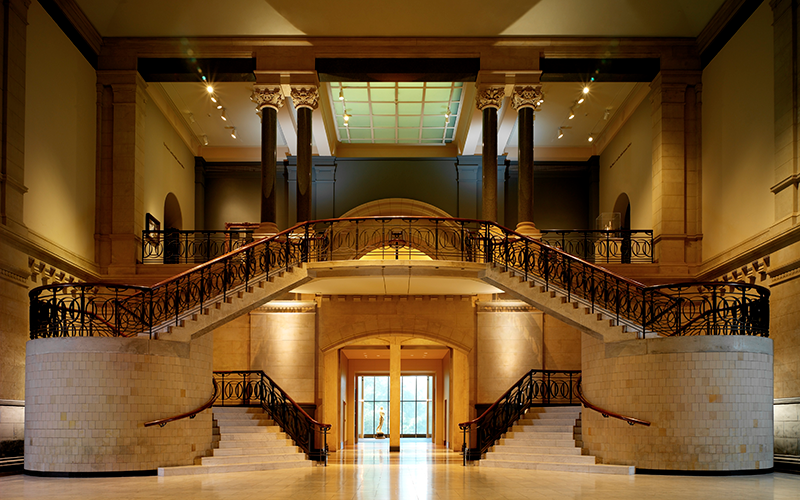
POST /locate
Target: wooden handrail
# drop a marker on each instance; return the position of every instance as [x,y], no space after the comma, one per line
[191,414]
[604,412]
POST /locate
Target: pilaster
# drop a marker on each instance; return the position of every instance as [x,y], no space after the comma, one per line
[123,168]
[12,114]
[675,115]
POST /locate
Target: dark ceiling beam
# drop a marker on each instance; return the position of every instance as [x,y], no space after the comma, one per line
[74,23]
[398,70]
[599,70]
[731,15]
[190,69]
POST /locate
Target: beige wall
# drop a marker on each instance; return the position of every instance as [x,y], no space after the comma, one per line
[737,137]
[88,398]
[283,345]
[785,321]
[632,173]
[60,136]
[168,167]
[708,398]
[232,345]
[562,345]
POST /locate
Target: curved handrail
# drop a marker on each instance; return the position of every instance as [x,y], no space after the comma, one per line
[190,414]
[605,413]
[310,419]
[137,310]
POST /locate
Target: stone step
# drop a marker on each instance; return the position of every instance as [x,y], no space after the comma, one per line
[566,420]
[626,470]
[248,429]
[542,443]
[216,469]
[539,458]
[251,459]
[276,449]
[537,450]
[537,428]
[257,439]
[236,420]
[540,436]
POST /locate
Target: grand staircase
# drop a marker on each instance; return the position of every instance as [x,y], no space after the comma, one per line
[547,438]
[245,439]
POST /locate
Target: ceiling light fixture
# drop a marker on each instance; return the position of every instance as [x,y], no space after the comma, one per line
[205,140]
[346,117]
[560,133]
[341,94]
[580,101]
[213,98]
[586,90]
[210,89]
[571,114]
[591,138]
[191,118]
[606,114]
[223,116]
[233,133]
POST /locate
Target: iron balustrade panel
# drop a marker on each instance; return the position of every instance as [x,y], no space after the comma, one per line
[101,309]
[535,388]
[621,246]
[190,247]
[255,388]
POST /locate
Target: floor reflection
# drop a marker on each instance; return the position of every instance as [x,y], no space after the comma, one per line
[412,451]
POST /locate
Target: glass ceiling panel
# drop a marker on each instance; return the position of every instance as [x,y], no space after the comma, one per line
[396,112]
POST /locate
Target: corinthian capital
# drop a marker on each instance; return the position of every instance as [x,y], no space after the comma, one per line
[489,97]
[265,96]
[305,97]
[526,97]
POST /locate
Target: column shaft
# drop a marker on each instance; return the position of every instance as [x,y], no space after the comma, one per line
[303,164]
[525,200]
[269,160]
[394,397]
[489,164]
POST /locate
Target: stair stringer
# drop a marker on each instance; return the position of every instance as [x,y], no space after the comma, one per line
[598,324]
[238,303]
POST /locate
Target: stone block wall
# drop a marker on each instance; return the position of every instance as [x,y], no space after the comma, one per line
[709,400]
[87,400]
[787,426]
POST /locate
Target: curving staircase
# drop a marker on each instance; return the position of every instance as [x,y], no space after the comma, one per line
[547,438]
[245,439]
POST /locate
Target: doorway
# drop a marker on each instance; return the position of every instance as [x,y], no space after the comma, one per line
[416,406]
[372,396]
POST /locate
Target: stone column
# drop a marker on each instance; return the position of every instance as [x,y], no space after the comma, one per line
[306,100]
[525,100]
[459,390]
[489,100]
[330,396]
[675,169]
[394,397]
[268,101]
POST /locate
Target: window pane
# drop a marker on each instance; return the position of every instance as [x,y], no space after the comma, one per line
[422,388]
[381,389]
[408,388]
[369,389]
[422,418]
[368,419]
[408,420]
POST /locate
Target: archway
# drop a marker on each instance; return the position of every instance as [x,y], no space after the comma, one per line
[623,207]
[173,223]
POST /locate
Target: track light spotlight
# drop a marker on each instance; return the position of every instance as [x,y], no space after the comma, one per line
[223,116]
[586,90]
[213,98]
[580,101]
[210,89]
[606,114]
[205,140]
[571,114]
[233,133]
[341,94]
[560,133]
[591,138]
[346,117]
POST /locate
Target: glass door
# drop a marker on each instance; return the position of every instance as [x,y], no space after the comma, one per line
[373,395]
[416,406]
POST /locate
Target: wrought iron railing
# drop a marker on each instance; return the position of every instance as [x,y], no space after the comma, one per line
[103,309]
[255,388]
[535,388]
[190,247]
[621,246]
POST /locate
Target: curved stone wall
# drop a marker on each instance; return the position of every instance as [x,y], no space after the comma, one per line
[709,400]
[87,399]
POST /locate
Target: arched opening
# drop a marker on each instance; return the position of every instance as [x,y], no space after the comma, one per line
[173,223]
[623,207]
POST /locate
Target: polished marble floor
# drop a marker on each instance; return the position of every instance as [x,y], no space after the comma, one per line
[419,471]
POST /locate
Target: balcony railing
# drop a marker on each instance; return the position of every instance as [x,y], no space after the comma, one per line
[118,310]
[190,247]
[622,246]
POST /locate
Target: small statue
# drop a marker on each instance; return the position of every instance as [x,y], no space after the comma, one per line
[379,429]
